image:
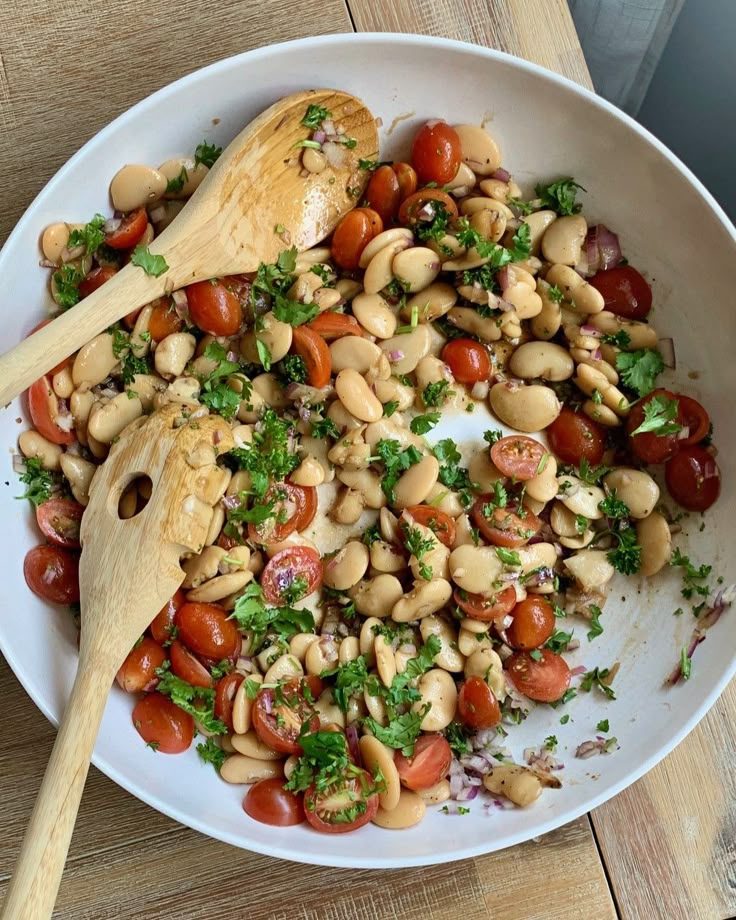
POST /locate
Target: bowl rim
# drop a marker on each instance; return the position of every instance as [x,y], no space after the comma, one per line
[438,44]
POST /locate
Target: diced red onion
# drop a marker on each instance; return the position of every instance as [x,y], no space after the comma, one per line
[602,249]
[426,212]
[683,433]
[573,644]
[268,703]
[65,421]
[111,224]
[503,278]
[395,355]
[722,600]
[351,733]
[328,126]
[19,463]
[230,502]
[181,304]
[233,356]
[480,389]
[319,136]
[304,413]
[597,355]
[467,794]
[591,331]
[578,671]
[244,663]
[335,153]
[503,175]
[667,350]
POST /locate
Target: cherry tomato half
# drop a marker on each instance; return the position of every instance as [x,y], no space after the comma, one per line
[164,319]
[225,692]
[696,419]
[533,623]
[502,526]
[468,360]
[383,193]
[352,235]
[162,724]
[59,520]
[427,765]
[441,524]
[344,806]
[477,705]
[43,406]
[519,457]
[189,668]
[648,446]
[131,229]
[407,177]
[436,153]
[214,308]
[53,574]
[138,671]
[96,278]
[693,478]
[162,625]
[297,505]
[486,607]
[573,436]
[285,567]
[278,717]
[542,675]
[207,631]
[268,802]
[416,203]
[625,291]
[333,326]
[314,351]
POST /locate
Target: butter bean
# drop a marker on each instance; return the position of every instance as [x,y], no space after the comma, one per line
[448,657]
[542,359]
[376,597]
[407,350]
[375,315]
[563,239]
[416,483]
[475,568]
[354,352]
[590,568]
[431,302]
[635,488]
[436,687]
[94,361]
[355,394]
[469,320]
[425,598]
[655,539]
[251,745]
[526,408]
[135,186]
[546,323]
[479,150]
[416,268]
[238,768]
[173,353]
[347,567]
[378,759]
[578,293]
[384,239]
[408,811]
[379,273]
[34,445]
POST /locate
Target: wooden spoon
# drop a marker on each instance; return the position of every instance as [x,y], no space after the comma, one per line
[227,227]
[128,571]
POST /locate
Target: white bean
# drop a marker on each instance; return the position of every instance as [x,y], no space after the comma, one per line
[347,567]
[437,687]
[655,539]
[357,397]
[524,408]
[135,186]
[34,445]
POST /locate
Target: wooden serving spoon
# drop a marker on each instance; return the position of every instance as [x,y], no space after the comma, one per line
[128,571]
[227,226]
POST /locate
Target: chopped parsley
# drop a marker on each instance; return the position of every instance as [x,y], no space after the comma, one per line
[595,623]
[130,364]
[40,483]
[269,455]
[151,264]
[419,546]
[324,762]
[555,294]
[492,435]
[325,427]
[620,339]
[613,507]
[91,236]
[597,678]
[350,679]
[274,280]
[591,474]
[523,207]
[371,534]
[626,557]
[457,737]
[217,394]
[264,354]
[508,556]
[211,752]
[396,460]
[659,415]
[521,243]
[401,732]
[390,407]
[251,613]
[603,726]
[66,285]
[694,578]
[207,154]
[175,185]
[199,702]
[558,641]
[435,227]
[314,116]
[560,196]
[639,369]
[435,394]
[421,424]
[686,664]
[581,523]
[451,474]
[294,369]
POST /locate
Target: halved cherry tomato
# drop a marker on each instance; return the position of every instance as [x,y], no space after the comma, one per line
[533,623]
[138,671]
[573,436]
[518,457]
[96,278]
[43,406]
[383,193]
[411,206]
[278,717]
[333,326]
[240,286]
[225,542]
[427,765]
[648,446]
[625,291]
[344,806]
[693,478]
[268,802]
[486,608]
[696,419]
[164,320]
[441,524]
[285,567]
[477,705]
[62,364]
[131,229]
[407,176]
[504,527]
[187,667]
[313,350]
[468,360]
[59,520]
[162,724]
[162,625]
[225,692]
[298,504]
[207,631]
[214,308]
[352,235]
[53,574]
[436,152]
[541,675]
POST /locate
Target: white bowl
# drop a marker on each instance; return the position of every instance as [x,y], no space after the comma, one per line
[669,226]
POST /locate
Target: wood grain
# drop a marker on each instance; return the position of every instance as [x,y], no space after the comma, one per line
[127,861]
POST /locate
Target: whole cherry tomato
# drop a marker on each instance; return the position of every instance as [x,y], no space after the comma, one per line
[477,705]
[428,764]
[53,574]
[407,176]
[436,153]
[129,232]
[59,520]
[352,235]
[164,319]
[162,626]
[225,691]
[161,724]
[268,802]
[189,668]
[214,308]
[533,623]
[207,631]
[383,193]
[574,437]
[138,671]
[625,292]
[693,478]
[468,360]
[542,675]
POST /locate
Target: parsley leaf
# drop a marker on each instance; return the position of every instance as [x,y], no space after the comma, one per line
[560,196]
[175,185]
[591,474]
[207,154]
[349,680]
[314,116]
[153,265]
[694,578]
[274,280]
[40,482]
[419,546]
[620,339]
[91,236]
[639,369]
[451,474]
[401,733]
[558,641]
[522,243]
[211,752]
[659,415]
[251,613]
[555,294]
[390,407]
[396,460]
[603,726]
[199,702]
[264,354]
[613,507]
[325,427]
[66,285]
[626,558]
[294,369]
[595,623]
[597,678]
[508,556]
[436,226]
[130,365]
[492,435]
[217,394]
[270,455]
[435,394]
[421,424]
[523,207]
[457,737]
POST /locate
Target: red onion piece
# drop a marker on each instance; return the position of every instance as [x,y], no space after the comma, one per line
[578,671]
[351,733]
[111,224]
[229,502]
[667,350]
[597,355]
[268,702]
[503,175]
[591,331]
[319,137]
[504,278]
[602,249]
[395,355]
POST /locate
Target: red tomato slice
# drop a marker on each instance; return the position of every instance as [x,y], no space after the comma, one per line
[345,806]
[519,457]
[544,679]
[468,360]
[268,802]
[96,278]
[313,350]
[428,764]
[485,609]
[383,193]
[131,229]
[138,671]
[53,574]
[164,319]
[43,406]
[333,326]
[533,623]
[162,724]
[625,291]
[436,153]
[477,705]
[297,504]
[695,418]
[441,524]
[693,478]
[278,717]
[505,527]
[187,667]
[225,692]
[59,520]
[285,567]
[207,631]
[573,436]
[214,307]
[414,204]
[162,625]
[648,446]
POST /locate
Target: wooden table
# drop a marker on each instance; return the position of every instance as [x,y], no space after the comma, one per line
[664,848]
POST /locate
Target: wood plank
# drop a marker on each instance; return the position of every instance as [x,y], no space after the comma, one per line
[127,861]
[537,30]
[682,817]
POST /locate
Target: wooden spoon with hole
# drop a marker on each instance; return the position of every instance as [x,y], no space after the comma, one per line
[227,226]
[128,571]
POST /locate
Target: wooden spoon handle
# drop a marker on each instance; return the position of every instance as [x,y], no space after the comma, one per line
[40,865]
